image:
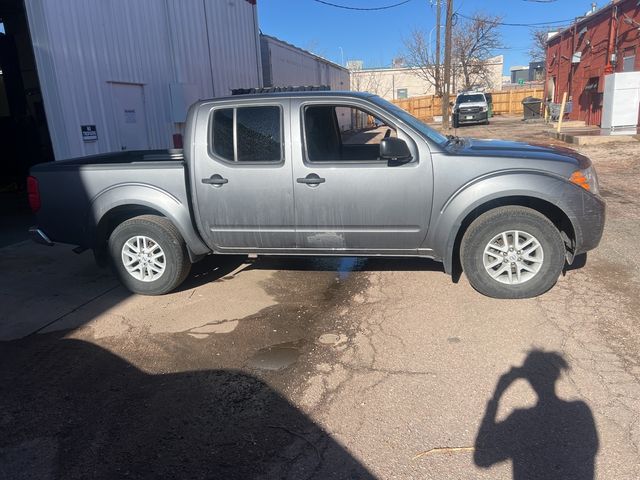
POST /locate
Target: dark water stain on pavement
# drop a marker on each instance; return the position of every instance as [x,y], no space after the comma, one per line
[276,357]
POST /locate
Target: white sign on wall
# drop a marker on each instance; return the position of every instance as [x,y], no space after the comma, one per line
[129,116]
[89,133]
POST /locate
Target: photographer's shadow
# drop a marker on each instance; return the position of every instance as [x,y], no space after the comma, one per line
[555,439]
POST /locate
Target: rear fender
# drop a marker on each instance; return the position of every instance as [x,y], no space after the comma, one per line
[149,196]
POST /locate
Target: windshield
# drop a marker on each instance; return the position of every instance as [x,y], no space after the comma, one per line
[410,120]
[476,98]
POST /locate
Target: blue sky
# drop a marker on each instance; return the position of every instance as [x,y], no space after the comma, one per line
[376,37]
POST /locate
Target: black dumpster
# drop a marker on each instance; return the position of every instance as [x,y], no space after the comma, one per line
[531,107]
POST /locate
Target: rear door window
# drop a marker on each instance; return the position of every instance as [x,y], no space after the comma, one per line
[258,134]
[247,134]
[223,133]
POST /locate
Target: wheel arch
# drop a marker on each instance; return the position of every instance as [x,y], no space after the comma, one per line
[550,210]
[119,204]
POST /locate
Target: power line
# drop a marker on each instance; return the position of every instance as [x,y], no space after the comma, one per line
[540,24]
[366,9]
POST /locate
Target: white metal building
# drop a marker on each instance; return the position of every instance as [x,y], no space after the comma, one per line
[284,64]
[403,82]
[120,74]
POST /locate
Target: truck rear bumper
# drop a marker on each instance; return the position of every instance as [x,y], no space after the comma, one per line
[39,236]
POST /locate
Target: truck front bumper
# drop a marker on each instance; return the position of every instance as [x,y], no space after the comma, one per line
[588,215]
[478,117]
[591,224]
[39,236]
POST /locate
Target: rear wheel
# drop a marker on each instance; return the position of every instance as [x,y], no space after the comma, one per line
[512,252]
[149,255]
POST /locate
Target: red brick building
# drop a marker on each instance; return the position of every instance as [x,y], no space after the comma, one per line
[578,58]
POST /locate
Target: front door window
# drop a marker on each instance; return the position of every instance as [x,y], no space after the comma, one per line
[343,134]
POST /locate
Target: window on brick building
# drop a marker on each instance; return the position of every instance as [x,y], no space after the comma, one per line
[629,60]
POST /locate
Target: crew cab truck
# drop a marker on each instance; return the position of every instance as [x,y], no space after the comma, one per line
[470,108]
[324,173]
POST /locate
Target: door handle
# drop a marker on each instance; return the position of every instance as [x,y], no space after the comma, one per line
[215,180]
[311,179]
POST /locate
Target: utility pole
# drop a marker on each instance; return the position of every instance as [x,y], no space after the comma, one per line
[447,65]
[437,72]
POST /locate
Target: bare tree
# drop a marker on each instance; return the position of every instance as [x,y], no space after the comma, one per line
[422,60]
[474,44]
[538,49]
[371,81]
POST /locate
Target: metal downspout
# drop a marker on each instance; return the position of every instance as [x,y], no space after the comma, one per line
[608,69]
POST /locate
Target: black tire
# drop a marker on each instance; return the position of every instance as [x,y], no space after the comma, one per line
[455,120]
[176,258]
[494,222]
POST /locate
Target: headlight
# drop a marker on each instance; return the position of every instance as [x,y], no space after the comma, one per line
[484,109]
[587,179]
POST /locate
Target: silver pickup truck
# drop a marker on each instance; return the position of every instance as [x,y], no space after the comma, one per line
[324,173]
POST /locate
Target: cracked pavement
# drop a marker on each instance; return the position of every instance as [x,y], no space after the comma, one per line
[394,369]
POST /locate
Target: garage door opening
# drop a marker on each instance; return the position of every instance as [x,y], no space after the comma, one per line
[24,135]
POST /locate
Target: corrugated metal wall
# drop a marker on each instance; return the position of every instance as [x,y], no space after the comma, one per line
[286,65]
[289,65]
[178,50]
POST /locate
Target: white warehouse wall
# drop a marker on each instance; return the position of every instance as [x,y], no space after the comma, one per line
[287,65]
[386,82]
[176,51]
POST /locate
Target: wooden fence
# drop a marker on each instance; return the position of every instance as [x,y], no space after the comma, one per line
[504,103]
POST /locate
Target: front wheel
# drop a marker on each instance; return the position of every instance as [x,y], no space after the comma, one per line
[149,255]
[512,252]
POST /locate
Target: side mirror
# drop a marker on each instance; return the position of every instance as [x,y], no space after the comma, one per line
[451,104]
[395,151]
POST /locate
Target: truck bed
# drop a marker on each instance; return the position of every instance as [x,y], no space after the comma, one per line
[69,189]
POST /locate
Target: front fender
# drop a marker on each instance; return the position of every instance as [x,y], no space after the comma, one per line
[145,195]
[451,214]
